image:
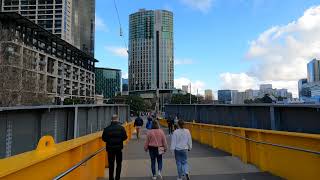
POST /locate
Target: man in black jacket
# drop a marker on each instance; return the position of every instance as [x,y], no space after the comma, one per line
[114,135]
[138,123]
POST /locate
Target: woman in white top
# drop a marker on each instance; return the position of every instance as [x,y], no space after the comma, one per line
[181,143]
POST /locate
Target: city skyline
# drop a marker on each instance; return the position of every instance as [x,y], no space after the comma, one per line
[209,61]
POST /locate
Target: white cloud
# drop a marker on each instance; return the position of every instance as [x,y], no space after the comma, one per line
[125,75]
[243,81]
[202,5]
[239,81]
[100,25]
[280,54]
[117,51]
[195,85]
[183,61]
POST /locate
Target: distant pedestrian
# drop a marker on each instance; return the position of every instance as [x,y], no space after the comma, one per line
[170,123]
[181,143]
[114,135]
[138,123]
[149,123]
[156,144]
[175,122]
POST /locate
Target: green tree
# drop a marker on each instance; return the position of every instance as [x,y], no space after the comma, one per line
[266,99]
[248,101]
[136,103]
[183,99]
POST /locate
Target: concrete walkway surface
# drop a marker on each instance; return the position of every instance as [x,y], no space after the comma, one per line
[205,163]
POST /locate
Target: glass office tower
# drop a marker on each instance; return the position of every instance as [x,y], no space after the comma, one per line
[71,20]
[108,82]
[314,71]
[151,58]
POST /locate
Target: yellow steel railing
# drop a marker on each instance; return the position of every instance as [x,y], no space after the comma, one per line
[50,159]
[289,155]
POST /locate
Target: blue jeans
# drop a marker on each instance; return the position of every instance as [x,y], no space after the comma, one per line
[154,155]
[181,161]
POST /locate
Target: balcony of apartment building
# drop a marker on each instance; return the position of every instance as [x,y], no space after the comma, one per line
[42,63]
[51,66]
[11,54]
[30,59]
[51,88]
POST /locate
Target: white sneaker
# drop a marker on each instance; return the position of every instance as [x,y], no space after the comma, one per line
[179,178]
[154,177]
[159,174]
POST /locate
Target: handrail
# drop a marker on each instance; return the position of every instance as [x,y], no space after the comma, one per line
[272,144]
[263,142]
[78,164]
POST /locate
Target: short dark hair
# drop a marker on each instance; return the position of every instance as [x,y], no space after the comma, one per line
[115,117]
[181,124]
[155,124]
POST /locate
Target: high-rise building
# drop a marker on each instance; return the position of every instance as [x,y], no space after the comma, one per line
[151,58]
[108,82]
[238,98]
[314,71]
[251,94]
[208,95]
[185,88]
[125,86]
[264,87]
[42,63]
[300,86]
[71,20]
[226,96]
[83,25]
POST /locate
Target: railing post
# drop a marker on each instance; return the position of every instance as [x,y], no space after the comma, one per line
[244,151]
[232,144]
[213,134]
[262,153]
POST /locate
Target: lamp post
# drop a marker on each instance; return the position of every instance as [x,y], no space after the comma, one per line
[190,93]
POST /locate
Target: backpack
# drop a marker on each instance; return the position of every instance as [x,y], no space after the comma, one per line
[149,125]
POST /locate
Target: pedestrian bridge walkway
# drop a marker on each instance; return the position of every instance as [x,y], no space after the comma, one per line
[220,152]
[205,163]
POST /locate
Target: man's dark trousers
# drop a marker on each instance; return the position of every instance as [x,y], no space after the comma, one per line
[115,156]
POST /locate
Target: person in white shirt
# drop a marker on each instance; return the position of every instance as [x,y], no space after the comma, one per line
[181,143]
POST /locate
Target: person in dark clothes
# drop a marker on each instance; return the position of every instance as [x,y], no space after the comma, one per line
[114,135]
[138,123]
[149,123]
[170,124]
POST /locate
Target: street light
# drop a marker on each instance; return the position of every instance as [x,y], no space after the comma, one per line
[190,93]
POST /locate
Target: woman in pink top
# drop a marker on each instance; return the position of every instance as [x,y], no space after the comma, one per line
[156,143]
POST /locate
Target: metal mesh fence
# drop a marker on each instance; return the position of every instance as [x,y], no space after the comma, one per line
[21,128]
[296,118]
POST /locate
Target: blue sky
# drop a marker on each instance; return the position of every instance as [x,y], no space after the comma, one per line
[222,43]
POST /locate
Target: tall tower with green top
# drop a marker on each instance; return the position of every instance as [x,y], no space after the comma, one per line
[151,54]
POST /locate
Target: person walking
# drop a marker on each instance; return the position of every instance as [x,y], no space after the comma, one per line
[138,123]
[181,143]
[156,144]
[175,122]
[170,123]
[114,135]
[149,123]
